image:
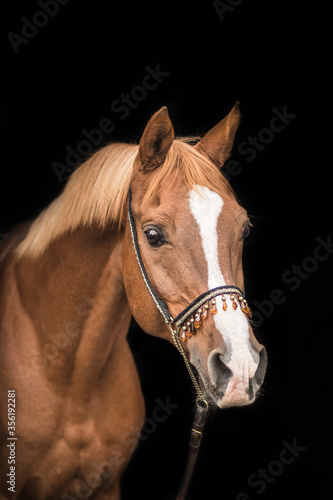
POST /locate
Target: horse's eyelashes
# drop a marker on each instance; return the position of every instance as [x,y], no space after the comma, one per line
[246,230]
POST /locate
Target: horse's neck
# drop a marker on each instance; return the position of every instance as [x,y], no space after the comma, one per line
[75,299]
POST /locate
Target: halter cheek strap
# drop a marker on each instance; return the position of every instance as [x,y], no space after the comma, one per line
[161,306]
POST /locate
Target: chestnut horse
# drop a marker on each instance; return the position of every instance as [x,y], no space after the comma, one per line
[70,281]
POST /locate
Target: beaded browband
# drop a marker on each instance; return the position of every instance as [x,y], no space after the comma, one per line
[191,318]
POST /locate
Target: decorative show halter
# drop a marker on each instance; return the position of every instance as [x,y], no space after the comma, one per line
[182,328]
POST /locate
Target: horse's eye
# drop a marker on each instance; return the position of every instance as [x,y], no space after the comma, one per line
[154,238]
[246,231]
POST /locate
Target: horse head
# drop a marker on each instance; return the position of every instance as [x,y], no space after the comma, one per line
[190,230]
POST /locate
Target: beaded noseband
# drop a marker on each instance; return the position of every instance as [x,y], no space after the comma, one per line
[193,315]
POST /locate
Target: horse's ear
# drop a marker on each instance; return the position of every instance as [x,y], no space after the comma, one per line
[217,143]
[156,140]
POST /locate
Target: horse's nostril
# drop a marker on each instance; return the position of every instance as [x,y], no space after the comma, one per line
[250,390]
[261,370]
[220,374]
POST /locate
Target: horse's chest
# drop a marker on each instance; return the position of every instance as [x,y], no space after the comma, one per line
[80,436]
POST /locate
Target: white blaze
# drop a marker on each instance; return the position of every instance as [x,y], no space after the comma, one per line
[206,207]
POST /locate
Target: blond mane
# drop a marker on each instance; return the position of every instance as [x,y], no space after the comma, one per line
[96,192]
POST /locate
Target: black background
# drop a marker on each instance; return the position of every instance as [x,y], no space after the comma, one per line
[266,55]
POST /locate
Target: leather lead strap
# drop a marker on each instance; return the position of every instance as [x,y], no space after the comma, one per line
[194,445]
